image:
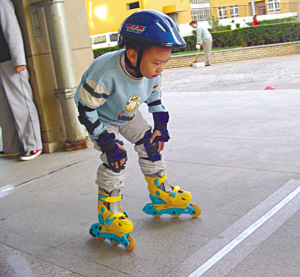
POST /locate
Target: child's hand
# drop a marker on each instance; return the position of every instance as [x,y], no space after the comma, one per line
[161,144]
[121,162]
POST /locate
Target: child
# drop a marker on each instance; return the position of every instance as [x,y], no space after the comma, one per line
[108,98]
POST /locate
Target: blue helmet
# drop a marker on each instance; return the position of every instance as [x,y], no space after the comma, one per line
[152,28]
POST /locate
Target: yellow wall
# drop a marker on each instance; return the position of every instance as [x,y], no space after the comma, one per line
[107,15]
[245,6]
[224,3]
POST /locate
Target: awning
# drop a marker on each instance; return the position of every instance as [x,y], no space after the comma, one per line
[173,9]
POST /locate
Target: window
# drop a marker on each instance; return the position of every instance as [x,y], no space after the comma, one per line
[201,14]
[100,39]
[234,11]
[134,5]
[274,6]
[113,37]
[199,1]
[222,13]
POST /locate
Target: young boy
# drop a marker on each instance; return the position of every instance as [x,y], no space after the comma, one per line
[108,98]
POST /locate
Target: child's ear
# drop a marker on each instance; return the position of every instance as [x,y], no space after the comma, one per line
[132,56]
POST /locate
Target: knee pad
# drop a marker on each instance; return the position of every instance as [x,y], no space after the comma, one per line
[151,147]
[115,155]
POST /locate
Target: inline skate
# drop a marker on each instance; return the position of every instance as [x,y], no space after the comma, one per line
[114,224]
[167,199]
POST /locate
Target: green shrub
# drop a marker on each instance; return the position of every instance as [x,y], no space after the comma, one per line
[269,34]
[226,38]
[101,51]
[274,21]
[250,36]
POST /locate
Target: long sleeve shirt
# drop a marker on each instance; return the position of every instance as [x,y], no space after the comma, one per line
[112,95]
[202,34]
[11,42]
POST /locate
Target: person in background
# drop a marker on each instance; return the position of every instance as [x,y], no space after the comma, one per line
[204,38]
[18,114]
[233,26]
[255,21]
[244,24]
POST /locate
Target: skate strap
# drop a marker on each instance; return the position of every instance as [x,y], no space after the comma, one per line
[174,191]
[110,199]
[157,181]
[111,218]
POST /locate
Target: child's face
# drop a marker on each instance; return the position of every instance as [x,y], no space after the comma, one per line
[154,61]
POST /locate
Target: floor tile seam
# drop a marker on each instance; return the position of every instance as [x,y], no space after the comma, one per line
[269,203]
[223,91]
[50,173]
[37,258]
[94,262]
[235,167]
[63,251]
[246,138]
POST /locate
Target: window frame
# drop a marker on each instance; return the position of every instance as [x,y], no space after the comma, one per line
[223,11]
[234,11]
[201,14]
[132,3]
[274,6]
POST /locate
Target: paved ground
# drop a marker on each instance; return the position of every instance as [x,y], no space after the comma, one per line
[279,72]
[237,150]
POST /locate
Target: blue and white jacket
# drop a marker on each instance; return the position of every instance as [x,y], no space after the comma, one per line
[112,95]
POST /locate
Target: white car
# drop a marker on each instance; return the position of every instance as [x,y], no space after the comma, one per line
[104,40]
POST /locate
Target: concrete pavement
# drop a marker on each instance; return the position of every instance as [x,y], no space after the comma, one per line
[237,150]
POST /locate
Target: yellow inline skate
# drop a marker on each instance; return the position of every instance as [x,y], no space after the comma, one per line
[114,224]
[167,199]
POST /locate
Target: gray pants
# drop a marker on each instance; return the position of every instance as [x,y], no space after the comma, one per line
[133,131]
[207,46]
[18,115]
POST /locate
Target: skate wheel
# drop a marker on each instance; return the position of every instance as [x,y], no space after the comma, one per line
[198,211]
[131,244]
[176,215]
[100,238]
[156,215]
[114,243]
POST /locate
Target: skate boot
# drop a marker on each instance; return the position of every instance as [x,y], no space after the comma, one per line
[167,199]
[114,224]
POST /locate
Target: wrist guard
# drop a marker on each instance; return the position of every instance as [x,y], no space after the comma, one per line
[161,120]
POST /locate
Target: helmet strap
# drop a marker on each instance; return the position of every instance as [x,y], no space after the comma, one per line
[138,62]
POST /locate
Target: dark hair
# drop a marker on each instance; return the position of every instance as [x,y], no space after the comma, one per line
[193,22]
[136,45]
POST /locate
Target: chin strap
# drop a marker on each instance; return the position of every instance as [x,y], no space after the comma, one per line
[138,63]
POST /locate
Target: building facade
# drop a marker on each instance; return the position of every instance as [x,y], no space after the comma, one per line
[105,16]
[201,10]
[265,9]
